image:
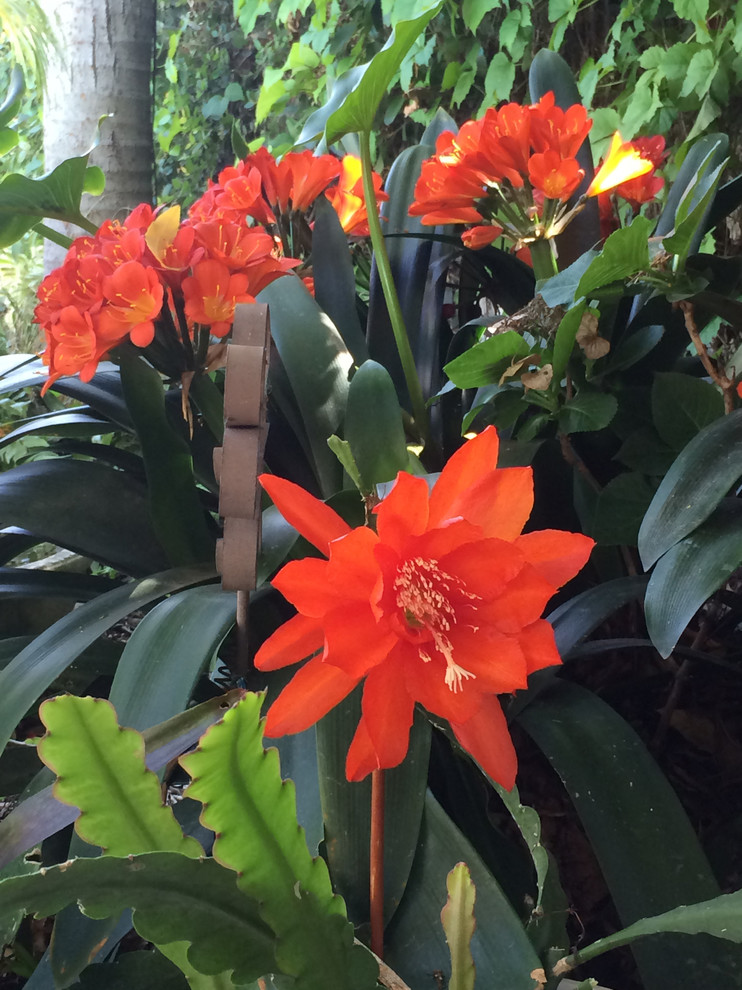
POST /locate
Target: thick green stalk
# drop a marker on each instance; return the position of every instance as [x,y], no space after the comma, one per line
[53,235]
[419,411]
[542,256]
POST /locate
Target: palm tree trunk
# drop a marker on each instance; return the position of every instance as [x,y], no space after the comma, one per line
[103,66]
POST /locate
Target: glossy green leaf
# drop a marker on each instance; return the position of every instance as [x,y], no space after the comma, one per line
[561,289]
[103,393]
[682,405]
[418,264]
[415,942]
[620,508]
[373,425]
[346,809]
[39,664]
[253,813]
[83,506]
[632,349]
[487,360]
[24,202]
[643,451]
[356,95]
[178,517]
[588,410]
[174,899]
[690,572]
[700,477]
[644,843]
[624,253]
[712,149]
[21,582]
[167,652]
[693,209]
[316,364]
[12,102]
[41,815]
[721,916]
[334,278]
[457,918]
[62,422]
[100,770]
[278,537]
[564,342]
[577,618]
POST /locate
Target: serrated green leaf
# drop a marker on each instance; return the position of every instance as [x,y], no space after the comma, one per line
[457,918]
[41,815]
[373,425]
[356,95]
[690,572]
[486,361]
[587,411]
[699,478]
[253,814]
[174,898]
[100,770]
[625,253]
[682,405]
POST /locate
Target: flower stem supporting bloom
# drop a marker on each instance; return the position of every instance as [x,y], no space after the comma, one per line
[390,293]
[376,885]
[542,256]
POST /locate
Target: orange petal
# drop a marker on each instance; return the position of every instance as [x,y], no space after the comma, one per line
[293,641]
[404,512]
[387,713]
[354,640]
[520,604]
[497,662]
[304,584]
[309,695]
[485,567]
[468,465]
[316,521]
[623,162]
[556,555]
[353,569]
[500,503]
[485,736]
[537,643]
[361,758]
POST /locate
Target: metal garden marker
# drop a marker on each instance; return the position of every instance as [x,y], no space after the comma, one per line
[237,462]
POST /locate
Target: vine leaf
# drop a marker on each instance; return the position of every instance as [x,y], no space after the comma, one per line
[253,813]
[100,768]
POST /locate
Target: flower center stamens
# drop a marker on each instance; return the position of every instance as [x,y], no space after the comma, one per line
[427,597]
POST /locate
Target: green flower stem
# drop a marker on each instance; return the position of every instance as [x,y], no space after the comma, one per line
[419,411]
[53,235]
[542,256]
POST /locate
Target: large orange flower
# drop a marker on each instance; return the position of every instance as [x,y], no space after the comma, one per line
[440,605]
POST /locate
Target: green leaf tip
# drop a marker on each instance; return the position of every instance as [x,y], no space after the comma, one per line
[101,770]
[253,813]
[457,918]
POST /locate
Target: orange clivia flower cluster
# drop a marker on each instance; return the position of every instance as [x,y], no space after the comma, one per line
[117,284]
[440,604]
[512,173]
[264,189]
